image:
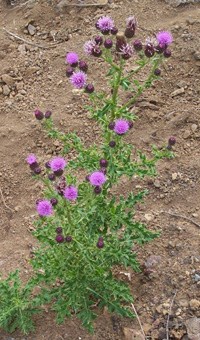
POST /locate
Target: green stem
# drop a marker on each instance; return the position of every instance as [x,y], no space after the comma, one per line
[116,89]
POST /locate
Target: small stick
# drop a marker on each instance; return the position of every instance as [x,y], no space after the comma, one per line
[28,42]
[142,330]
[3,200]
[170,309]
[181,216]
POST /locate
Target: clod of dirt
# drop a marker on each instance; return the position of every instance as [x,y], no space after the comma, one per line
[194,304]
[193,328]
[132,334]
[176,3]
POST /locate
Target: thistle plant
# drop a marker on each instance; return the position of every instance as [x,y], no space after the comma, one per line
[84,229]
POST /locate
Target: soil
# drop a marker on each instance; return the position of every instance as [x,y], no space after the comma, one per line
[33,77]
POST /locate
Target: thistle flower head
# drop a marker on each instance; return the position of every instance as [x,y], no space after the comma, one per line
[89,46]
[31,159]
[164,38]
[105,24]
[71,193]
[72,58]
[78,79]
[44,208]
[57,163]
[97,178]
[131,22]
[121,126]
[126,51]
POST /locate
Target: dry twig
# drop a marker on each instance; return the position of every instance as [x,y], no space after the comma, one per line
[138,319]
[28,42]
[168,316]
[180,216]
[3,200]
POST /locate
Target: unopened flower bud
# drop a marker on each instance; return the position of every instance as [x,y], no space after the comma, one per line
[137,44]
[59,230]
[111,125]
[100,243]
[37,171]
[149,50]
[97,190]
[51,177]
[108,43]
[53,201]
[60,238]
[112,144]
[83,66]
[68,238]
[89,88]
[48,114]
[103,163]
[167,53]
[39,114]
[69,71]
[114,31]
[157,72]
[172,140]
[98,39]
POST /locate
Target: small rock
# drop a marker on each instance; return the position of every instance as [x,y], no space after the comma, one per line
[187,134]
[196,277]
[6,90]
[157,183]
[148,217]
[194,127]
[174,176]
[177,92]
[8,80]
[19,86]
[193,328]
[194,304]
[31,29]
[22,49]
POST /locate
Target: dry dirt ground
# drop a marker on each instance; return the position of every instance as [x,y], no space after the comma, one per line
[32,77]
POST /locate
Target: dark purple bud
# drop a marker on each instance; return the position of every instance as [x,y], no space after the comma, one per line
[89,88]
[51,177]
[108,43]
[47,165]
[38,114]
[149,50]
[129,32]
[100,243]
[111,125]
[105,32]
[87,178]
[37,171]
[58,172]
[68,238]
[172,140]
[167,53]
[59,230]
[157,72]
[97,52]
[69,71]
[159,49]
[54,201]
[137,44]
[97,26]
[112,144]
[60,238]
[100,238]
[130,124]
[98,40]
[114,31]
[97,190]
[33,166]
[103,163]
[48,114]
[83,66]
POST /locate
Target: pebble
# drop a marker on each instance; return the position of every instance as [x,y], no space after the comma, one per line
[6,90]
[132,334]
[8,80]
[31,29]
[22,48]
[187,134]
[194,304]
[194,127]
[177,92]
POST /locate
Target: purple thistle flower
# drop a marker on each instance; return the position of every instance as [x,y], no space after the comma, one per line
[38,114]
[105,24]
[69,71]
[71,193]
[59,230]
[89,46]
[97,178]
[48,114]
[57,165]
[72,58]
[98,39]
[121,126]
[83,66]
[126,51]
[131,25]
[89,88]
[31,159]
[78,79]
[44,208]
[164,38]
[60,238]
[97,190]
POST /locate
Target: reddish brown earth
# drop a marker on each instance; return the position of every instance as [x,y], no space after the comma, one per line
[36,78]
